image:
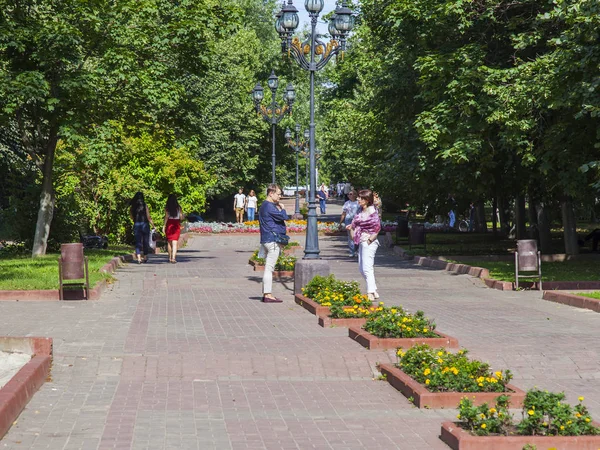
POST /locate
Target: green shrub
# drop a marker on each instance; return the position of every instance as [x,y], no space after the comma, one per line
[397,323]
[330,290]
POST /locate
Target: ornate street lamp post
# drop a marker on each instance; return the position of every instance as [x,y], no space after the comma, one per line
[273,114]
[340,25]
[297,144]
[306,154]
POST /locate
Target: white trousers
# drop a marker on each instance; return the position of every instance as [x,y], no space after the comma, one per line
[271,249]
[366,261]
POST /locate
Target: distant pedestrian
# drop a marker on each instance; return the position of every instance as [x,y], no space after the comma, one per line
[271,218]
[139,213]
[452,210]
[322,197]
[472,211]
[365,227]
[239,203]
[347,189]
[349,210]
[172,226]
[378,204]
[251,202]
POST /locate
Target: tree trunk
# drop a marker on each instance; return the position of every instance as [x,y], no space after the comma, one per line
[543,228]
[495,215]
[504,215]
[481,222]
[520,217]
[46,211]
[569,226]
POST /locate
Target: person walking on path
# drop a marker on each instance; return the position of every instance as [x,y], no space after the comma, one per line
[239,203]
[365,227]
[271,219]
[322,196]
[139,213]
[251,202]
[172,226]
[349,210]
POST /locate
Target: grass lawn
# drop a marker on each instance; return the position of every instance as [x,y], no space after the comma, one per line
[574,270]
[595,294]
[446,244]
[26,273]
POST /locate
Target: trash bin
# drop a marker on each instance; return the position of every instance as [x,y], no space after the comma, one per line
[402,228]
[417,235]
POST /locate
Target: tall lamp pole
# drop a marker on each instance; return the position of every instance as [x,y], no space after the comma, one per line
[340,25]
[297,144]
[274,113]
[305,154]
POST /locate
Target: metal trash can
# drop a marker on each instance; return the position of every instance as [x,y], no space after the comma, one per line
[402,228]
[417,235]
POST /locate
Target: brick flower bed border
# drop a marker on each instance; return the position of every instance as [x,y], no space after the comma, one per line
[458,439]
[70,294]
[422,398]
[311,306]
[371,342]
[15,394]
[484,274]
[325,321]
[578,301]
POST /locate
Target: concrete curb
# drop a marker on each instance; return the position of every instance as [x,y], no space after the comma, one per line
[577,301]
[15,395]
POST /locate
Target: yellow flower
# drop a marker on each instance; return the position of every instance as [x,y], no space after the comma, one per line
[580,399]
[458,417]
[544,424]
[498,374]
[381,303]
[454,370]
[394,311]
[482,416]
[427,381]
[440,360]
[440,353]
[569,422]
[587,419]
[562,427]
[531,412]
[578,415]
[483,425]
[492,410]
[408,328]
[425,330]
[460,352]
[427,371]
[480,384]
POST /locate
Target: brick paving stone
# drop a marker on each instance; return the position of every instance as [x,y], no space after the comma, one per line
[186,356]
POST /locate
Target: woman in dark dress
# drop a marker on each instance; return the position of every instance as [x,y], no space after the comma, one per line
[138,211]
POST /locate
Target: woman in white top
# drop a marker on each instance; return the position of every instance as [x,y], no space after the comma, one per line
[251,202]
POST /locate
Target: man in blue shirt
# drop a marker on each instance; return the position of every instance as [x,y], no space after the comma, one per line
[271,218]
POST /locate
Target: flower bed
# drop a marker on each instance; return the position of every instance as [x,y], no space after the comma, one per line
[371,342]
[394,327]
[292,226]
[285,263]
[343,315]
[311,306]
[547,423]
[435,378]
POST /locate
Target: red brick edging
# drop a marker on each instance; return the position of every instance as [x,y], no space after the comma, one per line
[311,306]
[423,398]
[578,301]
[15,394]
[371,342]
[326,322]
[459,439]
[70,294]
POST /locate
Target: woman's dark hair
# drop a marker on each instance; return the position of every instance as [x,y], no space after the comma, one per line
[172,205]
[138,205]
[366,194]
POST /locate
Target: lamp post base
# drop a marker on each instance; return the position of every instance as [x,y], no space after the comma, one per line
[298,216]
[306,269]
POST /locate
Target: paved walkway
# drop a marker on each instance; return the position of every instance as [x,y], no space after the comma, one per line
[186,357]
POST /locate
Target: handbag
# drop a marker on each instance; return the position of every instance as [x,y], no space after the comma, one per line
[282,239]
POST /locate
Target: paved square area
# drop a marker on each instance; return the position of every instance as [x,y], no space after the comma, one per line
[187,357]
